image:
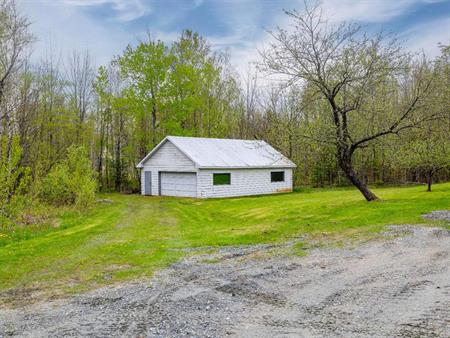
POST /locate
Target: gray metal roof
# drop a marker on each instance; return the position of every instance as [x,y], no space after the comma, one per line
[226,153]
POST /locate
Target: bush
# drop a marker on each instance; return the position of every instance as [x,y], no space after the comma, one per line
[55,186]
[14,179]
[72,181]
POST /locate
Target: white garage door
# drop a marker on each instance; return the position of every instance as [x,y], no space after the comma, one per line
[179,184]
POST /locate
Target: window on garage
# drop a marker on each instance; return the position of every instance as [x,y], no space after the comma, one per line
[277,176]
[222,179]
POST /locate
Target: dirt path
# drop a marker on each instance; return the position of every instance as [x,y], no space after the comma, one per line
[394,287]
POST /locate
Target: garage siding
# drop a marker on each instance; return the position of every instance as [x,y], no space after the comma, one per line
[169,156]
[244,182]
[167,159]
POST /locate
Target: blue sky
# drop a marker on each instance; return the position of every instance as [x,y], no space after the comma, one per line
[105,27]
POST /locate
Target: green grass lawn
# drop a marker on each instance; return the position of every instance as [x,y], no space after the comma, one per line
[136,235]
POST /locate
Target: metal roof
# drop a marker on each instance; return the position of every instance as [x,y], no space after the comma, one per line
[226,153]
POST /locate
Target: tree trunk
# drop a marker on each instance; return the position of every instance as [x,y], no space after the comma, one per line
[100,158]
[429,179]
[347,168]
[153,124]
[118,167]
[118,159]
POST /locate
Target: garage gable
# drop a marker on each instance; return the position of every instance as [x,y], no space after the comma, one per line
[167,155]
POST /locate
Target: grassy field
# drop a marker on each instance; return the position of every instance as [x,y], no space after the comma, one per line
[135,235]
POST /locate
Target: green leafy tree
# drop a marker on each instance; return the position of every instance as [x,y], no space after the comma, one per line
[202,91]
[427,151]
[145,69]
[72,181]
[102,88]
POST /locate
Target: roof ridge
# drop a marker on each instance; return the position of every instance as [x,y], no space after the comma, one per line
[215,138]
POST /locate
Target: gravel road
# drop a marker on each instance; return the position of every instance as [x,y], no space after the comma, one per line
[396,287]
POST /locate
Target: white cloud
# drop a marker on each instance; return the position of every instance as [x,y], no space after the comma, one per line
[125,10]
[246,33]
[369,11]
[66,28]
[426,37]
[365,11]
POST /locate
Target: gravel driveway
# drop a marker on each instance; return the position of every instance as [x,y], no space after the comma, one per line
[394,287]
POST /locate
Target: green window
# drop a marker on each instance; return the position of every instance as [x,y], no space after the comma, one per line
[277,176]
[221,179]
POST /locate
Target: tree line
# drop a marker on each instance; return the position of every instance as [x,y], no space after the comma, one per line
[346,106]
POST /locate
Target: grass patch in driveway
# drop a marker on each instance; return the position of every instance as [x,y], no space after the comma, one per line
[136,235]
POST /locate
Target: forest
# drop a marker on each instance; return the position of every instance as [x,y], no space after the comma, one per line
[348,107]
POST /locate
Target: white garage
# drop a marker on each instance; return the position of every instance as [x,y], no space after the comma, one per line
[209,167]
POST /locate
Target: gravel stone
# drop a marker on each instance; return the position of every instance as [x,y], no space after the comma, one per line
[438,215]
[395,287]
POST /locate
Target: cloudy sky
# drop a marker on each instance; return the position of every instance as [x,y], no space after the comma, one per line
[105,27]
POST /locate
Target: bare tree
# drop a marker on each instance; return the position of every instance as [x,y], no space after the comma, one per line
[350,71]
[14,39]
[80,76]
[250,97]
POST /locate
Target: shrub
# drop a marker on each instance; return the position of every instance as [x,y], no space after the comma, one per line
[14,179]
[72,181]
[55,186]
